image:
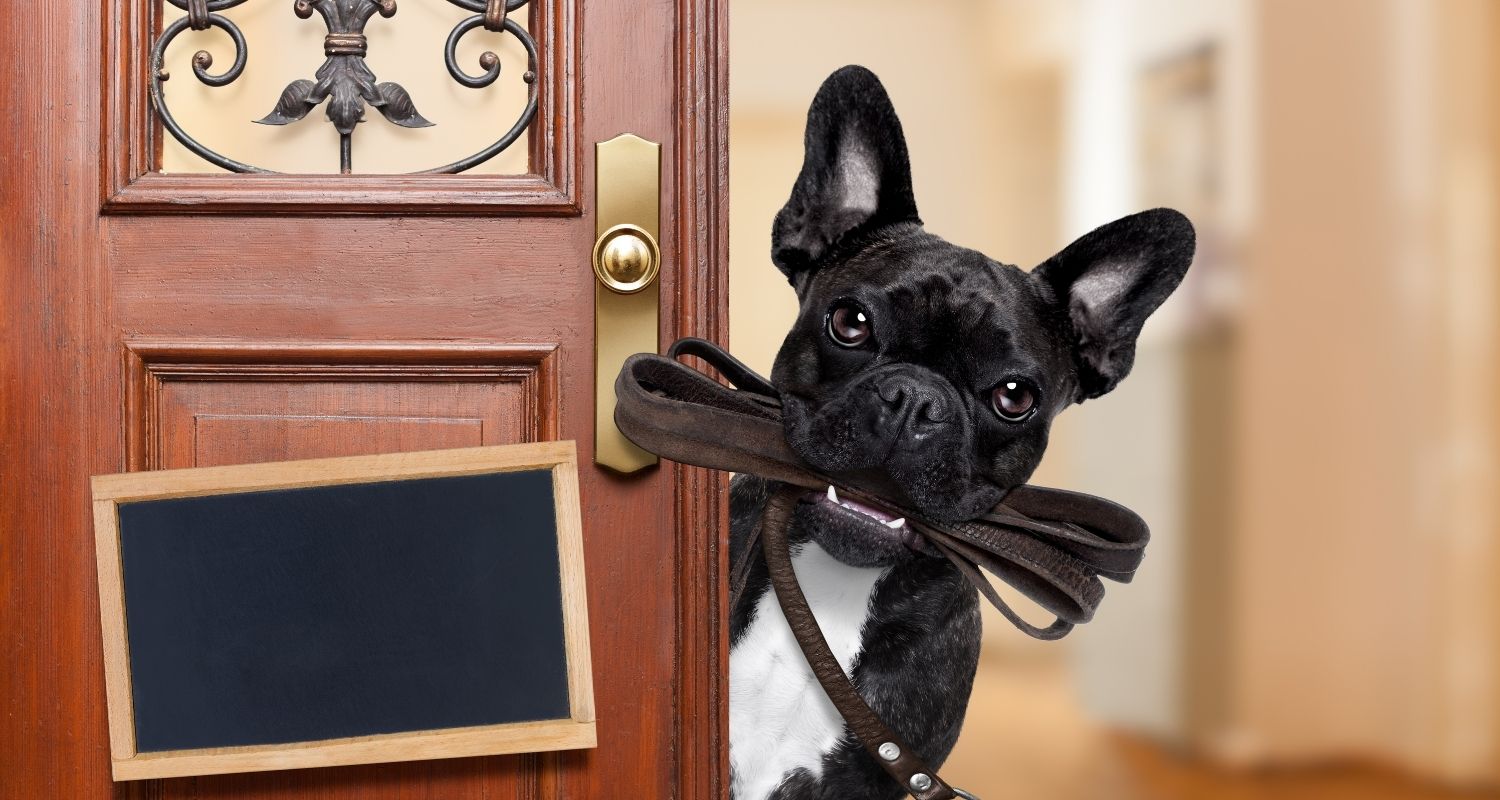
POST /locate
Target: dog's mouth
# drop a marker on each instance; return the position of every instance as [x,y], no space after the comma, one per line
[850,441]
[881,524]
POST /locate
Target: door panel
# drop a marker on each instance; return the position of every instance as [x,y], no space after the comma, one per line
[207,404]
[160,321]
[215,439]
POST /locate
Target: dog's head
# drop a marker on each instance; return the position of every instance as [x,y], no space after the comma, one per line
[927,371]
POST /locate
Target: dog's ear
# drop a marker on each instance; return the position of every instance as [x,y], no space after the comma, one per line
[855,174]
[1109,281]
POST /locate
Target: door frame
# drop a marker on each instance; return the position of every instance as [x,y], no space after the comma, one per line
[702,496]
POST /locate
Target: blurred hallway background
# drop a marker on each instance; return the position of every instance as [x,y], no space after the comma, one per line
[1311,426]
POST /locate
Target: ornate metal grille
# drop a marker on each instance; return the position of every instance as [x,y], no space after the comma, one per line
[344,81]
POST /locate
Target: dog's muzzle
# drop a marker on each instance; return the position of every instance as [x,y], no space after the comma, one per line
[899,432]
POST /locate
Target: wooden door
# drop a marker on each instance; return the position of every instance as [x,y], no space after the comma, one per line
[156,320]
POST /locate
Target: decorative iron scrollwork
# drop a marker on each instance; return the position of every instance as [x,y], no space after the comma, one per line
[345,81]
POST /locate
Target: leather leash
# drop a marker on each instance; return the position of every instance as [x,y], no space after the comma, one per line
[1051,545]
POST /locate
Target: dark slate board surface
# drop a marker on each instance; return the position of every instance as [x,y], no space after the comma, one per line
[318,613]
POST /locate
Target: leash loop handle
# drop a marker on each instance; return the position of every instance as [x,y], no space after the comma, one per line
[738,373]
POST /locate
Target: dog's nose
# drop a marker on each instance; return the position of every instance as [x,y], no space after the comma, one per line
[921,406]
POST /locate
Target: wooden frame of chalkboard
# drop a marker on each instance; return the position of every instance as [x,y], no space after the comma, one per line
[571,730]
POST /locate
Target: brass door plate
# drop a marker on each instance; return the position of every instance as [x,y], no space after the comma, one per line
[626,262]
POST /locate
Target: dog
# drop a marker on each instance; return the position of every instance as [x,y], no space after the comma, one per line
[931,371]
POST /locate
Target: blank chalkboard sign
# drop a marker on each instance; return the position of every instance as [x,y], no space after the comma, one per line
[342,611]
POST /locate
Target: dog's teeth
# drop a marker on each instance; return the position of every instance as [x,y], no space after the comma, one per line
[833,496]
[899,522]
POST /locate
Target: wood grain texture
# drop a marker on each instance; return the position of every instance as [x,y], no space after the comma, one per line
[131,143]
[78,285]
[285,400]
[574,595]
[559,457]
[701,308]
[525,737]
[112,626]
[53,434]
[254,438]
[196,481]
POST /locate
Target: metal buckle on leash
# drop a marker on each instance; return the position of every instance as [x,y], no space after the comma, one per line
[965,795]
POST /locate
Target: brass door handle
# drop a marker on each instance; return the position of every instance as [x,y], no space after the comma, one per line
[626,258]
[626,262]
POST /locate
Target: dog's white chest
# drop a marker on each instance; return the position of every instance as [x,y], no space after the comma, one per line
[779,718]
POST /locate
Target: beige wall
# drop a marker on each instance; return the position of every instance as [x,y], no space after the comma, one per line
[1327,284]
[1467,176]
[1365,568]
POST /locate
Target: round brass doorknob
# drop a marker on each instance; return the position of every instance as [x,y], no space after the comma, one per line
[626,259]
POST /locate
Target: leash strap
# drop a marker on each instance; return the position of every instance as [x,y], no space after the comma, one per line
[1051,545]
[888,750]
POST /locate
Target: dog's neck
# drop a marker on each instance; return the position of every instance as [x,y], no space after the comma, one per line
[780,720]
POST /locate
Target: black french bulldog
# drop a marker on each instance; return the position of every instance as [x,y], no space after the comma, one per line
[934,372]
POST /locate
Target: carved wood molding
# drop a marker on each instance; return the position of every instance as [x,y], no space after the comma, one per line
[152,363]
[131,140]
[701,300]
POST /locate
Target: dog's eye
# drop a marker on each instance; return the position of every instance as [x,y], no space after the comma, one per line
[848,323]
[1014,399]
